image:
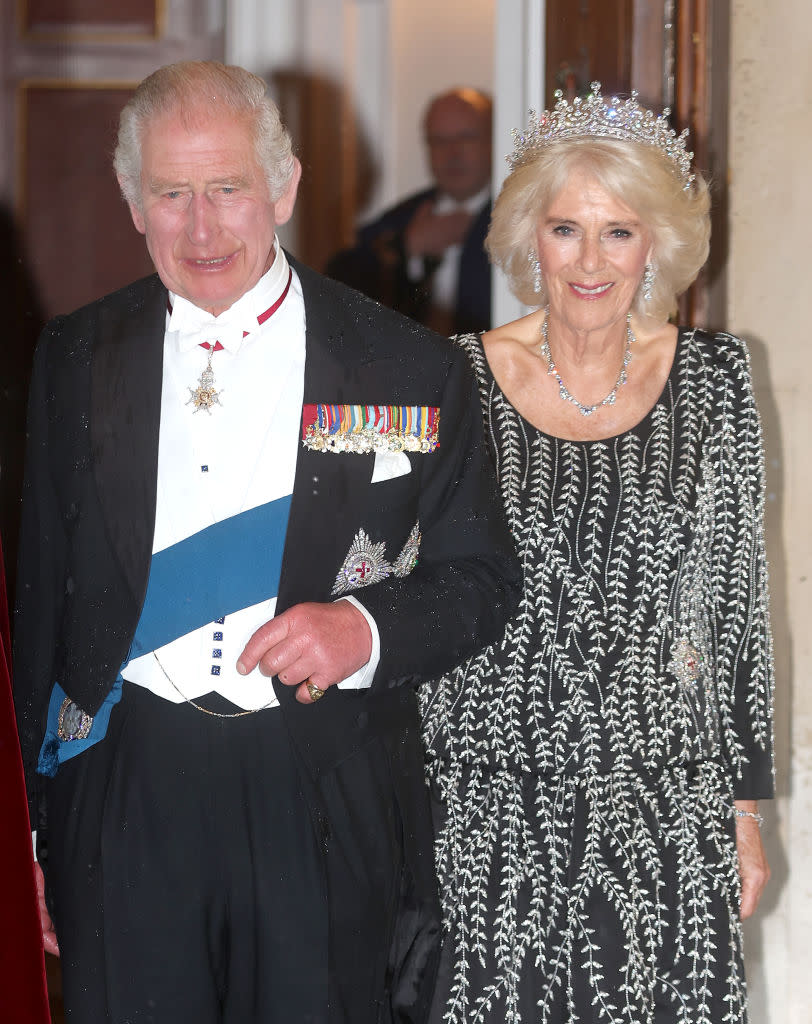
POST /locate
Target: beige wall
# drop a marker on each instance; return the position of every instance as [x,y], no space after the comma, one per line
[435,45]
[769,260]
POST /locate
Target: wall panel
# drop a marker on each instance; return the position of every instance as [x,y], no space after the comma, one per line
[68,135]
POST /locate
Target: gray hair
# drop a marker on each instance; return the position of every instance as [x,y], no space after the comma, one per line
[185,88]
[639,176]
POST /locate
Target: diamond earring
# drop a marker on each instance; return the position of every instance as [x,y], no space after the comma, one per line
[533,260]
[648,282]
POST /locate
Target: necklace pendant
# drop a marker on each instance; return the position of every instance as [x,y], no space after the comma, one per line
[204,398]
[205,395]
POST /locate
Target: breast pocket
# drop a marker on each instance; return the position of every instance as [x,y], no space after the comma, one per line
[389,466]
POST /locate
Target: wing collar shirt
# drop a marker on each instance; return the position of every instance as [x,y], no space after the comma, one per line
[215,465]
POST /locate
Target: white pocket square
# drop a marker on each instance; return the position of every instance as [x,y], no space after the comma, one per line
[389,465]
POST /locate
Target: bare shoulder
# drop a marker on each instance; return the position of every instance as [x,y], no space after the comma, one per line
[654,332]
[513,348]
[655,346]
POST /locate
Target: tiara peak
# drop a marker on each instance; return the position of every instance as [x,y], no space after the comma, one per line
[595,117]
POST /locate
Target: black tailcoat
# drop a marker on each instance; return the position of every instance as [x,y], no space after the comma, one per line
[89,512]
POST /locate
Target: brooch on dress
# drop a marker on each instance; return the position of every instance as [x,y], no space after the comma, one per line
[366,562]
[686,662]
[361,429]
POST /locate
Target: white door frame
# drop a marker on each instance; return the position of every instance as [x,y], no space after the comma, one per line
[518,88]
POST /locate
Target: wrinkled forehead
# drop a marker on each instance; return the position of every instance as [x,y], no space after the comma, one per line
[177,149]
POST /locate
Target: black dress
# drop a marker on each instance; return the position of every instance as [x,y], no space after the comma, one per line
[583,769]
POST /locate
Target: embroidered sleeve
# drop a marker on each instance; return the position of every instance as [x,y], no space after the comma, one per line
[743,641]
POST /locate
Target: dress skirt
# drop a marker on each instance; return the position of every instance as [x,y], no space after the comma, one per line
[587,898]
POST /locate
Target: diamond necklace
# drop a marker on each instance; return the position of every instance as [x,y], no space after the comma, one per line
[563,391]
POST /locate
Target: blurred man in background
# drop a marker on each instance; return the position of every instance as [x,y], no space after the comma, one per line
[425,256]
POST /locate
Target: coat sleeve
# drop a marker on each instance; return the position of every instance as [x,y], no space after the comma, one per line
[41,578]
[743,639]
[467,581]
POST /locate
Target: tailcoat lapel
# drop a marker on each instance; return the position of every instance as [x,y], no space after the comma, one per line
[329,496]
[125,422]
[329,490]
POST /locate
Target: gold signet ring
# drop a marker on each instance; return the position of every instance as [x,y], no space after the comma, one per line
[314,691]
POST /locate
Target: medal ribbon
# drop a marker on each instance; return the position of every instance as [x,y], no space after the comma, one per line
[407,420]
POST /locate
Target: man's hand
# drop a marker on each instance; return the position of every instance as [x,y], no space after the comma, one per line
[754,871]
[318,643]
[430,233]
[46,924]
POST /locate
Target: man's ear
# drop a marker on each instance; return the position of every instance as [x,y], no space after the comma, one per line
[283,207]
[135,213]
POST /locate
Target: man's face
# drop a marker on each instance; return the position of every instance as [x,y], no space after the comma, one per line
[459,141]
[206,212]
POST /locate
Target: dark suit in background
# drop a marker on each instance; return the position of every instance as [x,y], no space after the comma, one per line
[378,266]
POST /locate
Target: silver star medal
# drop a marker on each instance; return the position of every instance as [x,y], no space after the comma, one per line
[205,395]
[364,565]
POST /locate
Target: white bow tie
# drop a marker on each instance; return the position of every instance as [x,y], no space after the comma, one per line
[229,335]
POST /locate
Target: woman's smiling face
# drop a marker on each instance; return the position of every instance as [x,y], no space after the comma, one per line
[593,250]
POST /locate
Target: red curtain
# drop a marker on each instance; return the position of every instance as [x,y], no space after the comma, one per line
[23,995]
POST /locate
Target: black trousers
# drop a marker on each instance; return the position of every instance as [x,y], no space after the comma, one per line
[191,880]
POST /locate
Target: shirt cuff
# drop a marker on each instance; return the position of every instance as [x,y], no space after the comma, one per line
[362,679]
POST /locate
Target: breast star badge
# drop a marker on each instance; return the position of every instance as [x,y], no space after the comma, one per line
[364,565]
[366,562]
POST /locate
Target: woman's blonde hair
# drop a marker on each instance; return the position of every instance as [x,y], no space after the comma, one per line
[638,175]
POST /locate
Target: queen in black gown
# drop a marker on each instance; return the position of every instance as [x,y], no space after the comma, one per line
[595,774]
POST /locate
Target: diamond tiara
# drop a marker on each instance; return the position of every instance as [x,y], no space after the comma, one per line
[597,118]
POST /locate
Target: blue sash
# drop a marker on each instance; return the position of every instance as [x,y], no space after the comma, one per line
[231,565]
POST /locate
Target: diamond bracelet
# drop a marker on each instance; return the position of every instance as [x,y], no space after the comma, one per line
[757,818]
